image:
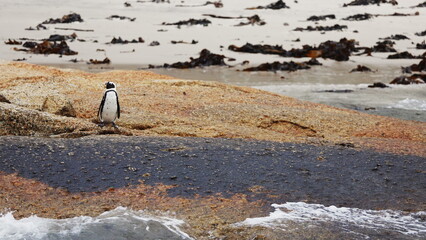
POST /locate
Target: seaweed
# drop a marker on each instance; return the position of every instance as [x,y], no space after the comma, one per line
[421,45]
[369,2]
[397,37]
[183,42]
[361,68]
[274,6]
[217,4]
[38,27]
[278,66]
[29,44]
[154,43]
[378,85]
[421,34]
[58,37]
[403,55]
[205,59]
[121,18]
[335,27]
[12,42]
[73,17]
[359,17]
[190,22]
[421,5]
[47,47]
[95,61]
[321,18]
[421,66]
[119,40]
[384,46]
[255,19]
[339,51]
[407,80]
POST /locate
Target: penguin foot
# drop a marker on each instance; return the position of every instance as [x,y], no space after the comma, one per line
[114,125]
[101,125]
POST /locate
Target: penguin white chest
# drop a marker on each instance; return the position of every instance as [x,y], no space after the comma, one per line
[109,111]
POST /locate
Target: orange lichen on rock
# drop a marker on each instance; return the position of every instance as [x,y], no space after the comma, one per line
[154,104]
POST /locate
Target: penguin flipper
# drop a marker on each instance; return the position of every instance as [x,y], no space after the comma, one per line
[101,107]
[118,106]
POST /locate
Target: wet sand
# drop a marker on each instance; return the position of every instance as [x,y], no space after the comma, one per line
[271,171]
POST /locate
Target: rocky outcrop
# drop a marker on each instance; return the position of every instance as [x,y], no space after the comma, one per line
[15,120]
[39,96]
[158,105]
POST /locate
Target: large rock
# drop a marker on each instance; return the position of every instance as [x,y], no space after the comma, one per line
[15,120]
[39,96]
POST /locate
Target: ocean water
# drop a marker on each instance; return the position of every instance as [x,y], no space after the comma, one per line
[351,222]
[118,224]
[123,223]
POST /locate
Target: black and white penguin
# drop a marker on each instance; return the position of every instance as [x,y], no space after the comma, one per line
[109,110]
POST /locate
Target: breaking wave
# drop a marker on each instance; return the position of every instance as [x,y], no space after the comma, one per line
[352,220]
[120,223]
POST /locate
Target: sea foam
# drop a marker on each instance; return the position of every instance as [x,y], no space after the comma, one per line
[120,223]
[412,224]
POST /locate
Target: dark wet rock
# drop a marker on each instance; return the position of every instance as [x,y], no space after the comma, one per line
[95,61]
[407,80]
[384,46]
[421,45]
[183,42]
[274,6]
[378,85]
[127,4]
[58,37]
[38,27]
[321,18]
[47,47]
[253,20]
[206,59]
[421,5]
[421,34]
[69,18]
[121,18]
[190,22]
[278,66]
[359,17]
[335,27]
[119,40]
[369,2]
[339,51]
[397,37]
[154,44]
[361,68]
[29,44]
[403,55]
[12,42]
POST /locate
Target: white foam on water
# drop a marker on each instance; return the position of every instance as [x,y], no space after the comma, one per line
[411,104]
[35,227]
[405,223]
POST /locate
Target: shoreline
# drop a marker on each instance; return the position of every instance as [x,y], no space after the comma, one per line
[211,184]
[261,170]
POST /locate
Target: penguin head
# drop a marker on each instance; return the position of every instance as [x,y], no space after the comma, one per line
[109,85]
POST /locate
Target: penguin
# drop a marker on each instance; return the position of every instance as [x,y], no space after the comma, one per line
[109,110]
